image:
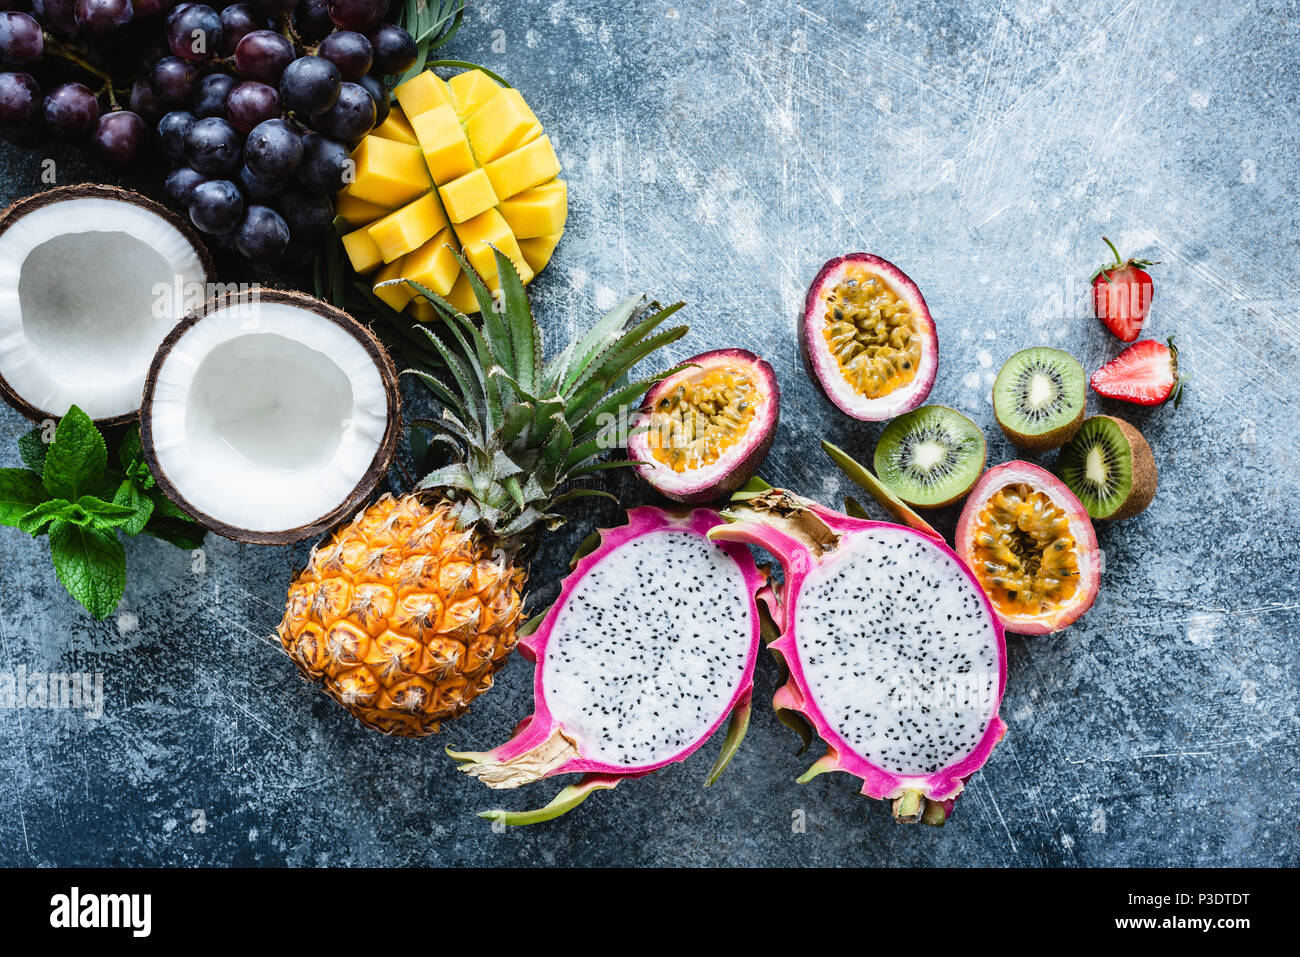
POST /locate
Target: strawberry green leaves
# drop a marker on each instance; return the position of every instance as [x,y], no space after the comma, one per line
[69,492]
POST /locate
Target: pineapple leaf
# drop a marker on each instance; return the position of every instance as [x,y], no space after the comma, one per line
[512,487]
[458,372]
[455,475]
[503,467]
[601,336]
[588,468]
[593,390]
[577,493]
[522,330]
[622,398]
[529,517]
[465,333]
[517,419]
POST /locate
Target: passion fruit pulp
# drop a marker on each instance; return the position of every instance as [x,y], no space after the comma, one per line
[704,431]
[868,337]
[1032,548]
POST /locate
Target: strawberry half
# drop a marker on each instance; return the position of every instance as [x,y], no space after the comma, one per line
[1122,293]
[1145,373]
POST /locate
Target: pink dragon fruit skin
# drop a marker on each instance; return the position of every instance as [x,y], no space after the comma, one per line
[772,521]
[542,746]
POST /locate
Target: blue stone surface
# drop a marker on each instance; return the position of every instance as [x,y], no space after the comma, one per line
[719,152]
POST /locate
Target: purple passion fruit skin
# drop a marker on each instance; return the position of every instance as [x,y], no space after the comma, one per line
[706,430]
[868,339]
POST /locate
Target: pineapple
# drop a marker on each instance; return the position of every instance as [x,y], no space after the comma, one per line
[405,614]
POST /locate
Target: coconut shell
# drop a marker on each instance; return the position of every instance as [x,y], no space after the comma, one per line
[22,207]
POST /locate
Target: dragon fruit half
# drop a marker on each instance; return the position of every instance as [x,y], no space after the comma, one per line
[649,647]
[894,655]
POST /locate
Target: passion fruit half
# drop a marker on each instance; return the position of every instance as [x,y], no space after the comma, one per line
[1031,546]
[703,432]
[868,338]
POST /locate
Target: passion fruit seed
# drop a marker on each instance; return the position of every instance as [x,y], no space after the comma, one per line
[1025,556]
[872,334]
[695,423]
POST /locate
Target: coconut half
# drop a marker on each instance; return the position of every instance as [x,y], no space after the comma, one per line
[269,416]
[92,278]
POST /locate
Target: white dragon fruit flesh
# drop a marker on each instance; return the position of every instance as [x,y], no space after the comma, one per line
[649,647]
[894,655]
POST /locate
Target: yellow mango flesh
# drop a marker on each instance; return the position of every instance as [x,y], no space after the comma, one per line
[422,93]
[502,124]
[362,251]
[539,211]
[409,228]
[462,164]
[396,296]
[434,264]
[467,196]
[388,173]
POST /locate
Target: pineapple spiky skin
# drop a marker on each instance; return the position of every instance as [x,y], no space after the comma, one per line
[403,617]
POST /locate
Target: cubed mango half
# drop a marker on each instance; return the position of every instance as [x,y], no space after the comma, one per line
[539,211]
[446,150]
[470,90]
[397,127]
[388,173]
[485,231]
[422,93]
[466,196]
[357,212]
[529,166]
[502,124]
[409,228]
[362,251]
[434,264]
[537,251]
[396,295]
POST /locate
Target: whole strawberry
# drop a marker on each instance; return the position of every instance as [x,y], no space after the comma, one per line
[1121,294]
[1146,373]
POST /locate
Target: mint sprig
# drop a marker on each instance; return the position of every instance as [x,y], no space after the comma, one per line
[69,492]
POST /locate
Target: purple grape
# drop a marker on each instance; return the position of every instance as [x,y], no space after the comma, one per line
[212,146]
[71,110]
[324,164]
[180,184]
[193,31]
[144,101]
[351,117]
[258,187]
[349,51]
[151,8]
[251,103]
[171,131]
[309,215]
[211,94]
[20,99]
[379,94]
[237,21]
[263,55]
[173,81]
[273,149]
[120,139]
[216,206]
[21,40]
[363,15]
[310,84]
[57,16]
[395,49]
[263,235]
[102,17]
[312,20]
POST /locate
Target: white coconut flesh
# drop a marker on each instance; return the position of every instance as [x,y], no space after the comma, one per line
[87,294]
[649,649]
[266,415]
[899,651]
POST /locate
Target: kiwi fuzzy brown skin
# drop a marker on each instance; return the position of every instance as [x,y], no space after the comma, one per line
[1047,440]
[1145,475]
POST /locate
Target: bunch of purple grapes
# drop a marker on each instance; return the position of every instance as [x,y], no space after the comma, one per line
[257,105]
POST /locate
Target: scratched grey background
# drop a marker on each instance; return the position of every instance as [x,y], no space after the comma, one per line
[720,152]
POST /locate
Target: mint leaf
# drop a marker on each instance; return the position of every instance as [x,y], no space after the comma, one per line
[76,459]
[20,491]
[131,456]
[166,508]
[141,506]
[89,510]
[32,448]
[91,565]
[34,521]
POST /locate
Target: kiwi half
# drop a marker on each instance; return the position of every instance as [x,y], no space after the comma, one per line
[931,456]
[1039,398]
[1109,467]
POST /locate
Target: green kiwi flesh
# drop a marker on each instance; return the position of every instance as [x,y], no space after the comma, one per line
[1039,397]
[1109,467]
[931,456]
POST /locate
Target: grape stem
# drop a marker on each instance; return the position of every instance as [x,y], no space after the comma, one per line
[60,50]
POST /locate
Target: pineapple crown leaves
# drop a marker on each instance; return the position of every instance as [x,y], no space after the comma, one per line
[521,427]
